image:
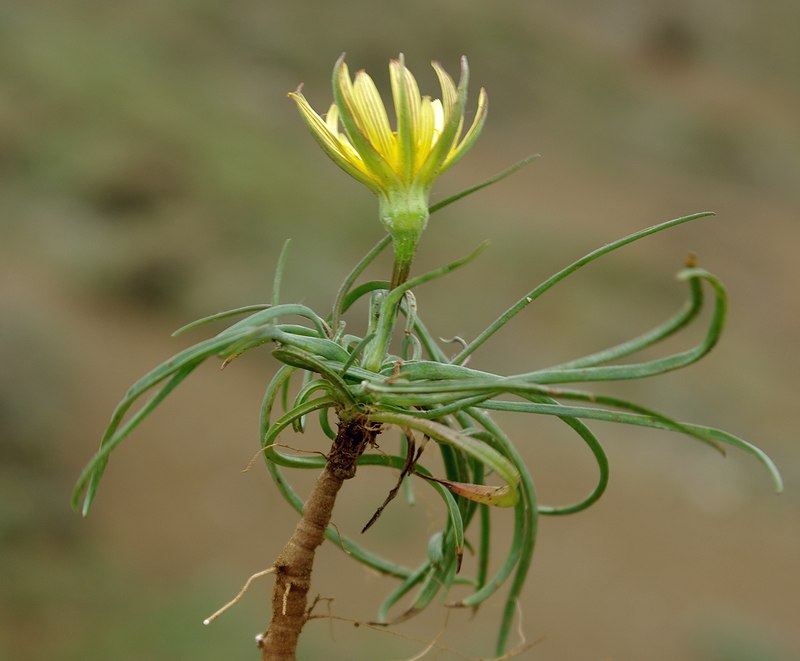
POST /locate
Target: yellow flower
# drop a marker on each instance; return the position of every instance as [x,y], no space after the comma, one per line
[399,165]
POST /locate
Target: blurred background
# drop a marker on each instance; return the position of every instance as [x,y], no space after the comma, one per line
[151,167]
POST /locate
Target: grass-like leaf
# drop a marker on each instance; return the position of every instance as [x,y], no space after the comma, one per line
[531,296]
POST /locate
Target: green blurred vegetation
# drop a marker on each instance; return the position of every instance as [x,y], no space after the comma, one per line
[151,168]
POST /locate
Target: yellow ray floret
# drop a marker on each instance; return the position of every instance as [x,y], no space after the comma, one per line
[357,135]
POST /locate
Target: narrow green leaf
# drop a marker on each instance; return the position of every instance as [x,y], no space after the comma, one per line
[529,534]
[89,478]
[272,454]
[599,456]
[491,180]
[309,361]
[339,306]
[651,367]
[710,435]
[356,352]
[684,316]
[362,290]
[401,591]
[279,268]
[531,296]
[484,545]
[220,315]
[271,314]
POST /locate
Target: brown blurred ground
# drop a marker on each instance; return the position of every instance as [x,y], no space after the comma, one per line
[150,169]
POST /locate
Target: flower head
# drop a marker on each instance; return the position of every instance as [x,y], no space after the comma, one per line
[399,165]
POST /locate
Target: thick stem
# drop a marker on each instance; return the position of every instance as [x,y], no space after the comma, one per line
[296,560]
[400,273]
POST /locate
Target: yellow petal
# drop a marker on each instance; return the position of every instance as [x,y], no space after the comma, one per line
[332,122]
[370,114]
[352,117]
[438,117]
[332,119]
[407,110]
[330,142]
[427,133]
[473,132]
[449,93]
[441,149]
